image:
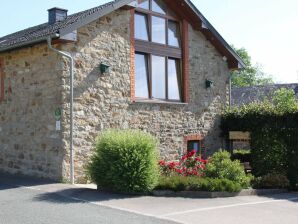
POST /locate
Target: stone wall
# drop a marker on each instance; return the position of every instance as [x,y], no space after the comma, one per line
[103,101]
[29,143]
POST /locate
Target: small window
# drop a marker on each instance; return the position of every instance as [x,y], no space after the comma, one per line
[158,6]
[141,79]
[173,34]
[144,4]
[141,27]
[158,30]
[158,77]
[194,145]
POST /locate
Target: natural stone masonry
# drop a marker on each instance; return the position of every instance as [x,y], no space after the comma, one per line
[29,143]
[40,84]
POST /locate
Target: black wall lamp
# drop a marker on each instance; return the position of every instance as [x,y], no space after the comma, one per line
[209,83]
[104,68]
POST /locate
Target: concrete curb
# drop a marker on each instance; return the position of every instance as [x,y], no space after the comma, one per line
[206,194]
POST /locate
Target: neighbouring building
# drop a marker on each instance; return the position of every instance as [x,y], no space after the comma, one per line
[153,65]
[246,95]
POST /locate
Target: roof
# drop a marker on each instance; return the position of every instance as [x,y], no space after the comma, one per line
[39,33]
[44,30]
[246,95]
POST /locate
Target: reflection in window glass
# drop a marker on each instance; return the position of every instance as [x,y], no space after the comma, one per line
[158,30]
[173,80]
[158,77]
[144,4]
[173,34]
[141,77]
[158,6]
[141,27]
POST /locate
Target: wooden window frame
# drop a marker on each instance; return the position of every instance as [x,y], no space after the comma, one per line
[150,48]
[195,138]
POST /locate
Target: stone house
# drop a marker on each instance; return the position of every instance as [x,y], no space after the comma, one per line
[154,65]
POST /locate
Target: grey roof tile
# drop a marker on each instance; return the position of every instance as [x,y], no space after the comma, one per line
[45,29]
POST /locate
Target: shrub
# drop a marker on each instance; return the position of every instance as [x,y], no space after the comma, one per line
[221,166]
[189,165]
[125,161]
[191,183]
[272,180]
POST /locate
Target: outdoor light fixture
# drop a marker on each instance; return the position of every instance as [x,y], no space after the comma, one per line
[104,68]
[209,83]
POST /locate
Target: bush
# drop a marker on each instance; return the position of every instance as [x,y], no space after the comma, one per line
[221,166]
[125,161]
[182,183]
[273,180]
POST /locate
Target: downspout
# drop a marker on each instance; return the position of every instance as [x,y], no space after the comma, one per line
[68,55]
[230,91]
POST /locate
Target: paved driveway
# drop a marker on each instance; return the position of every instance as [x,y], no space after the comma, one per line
[24,200]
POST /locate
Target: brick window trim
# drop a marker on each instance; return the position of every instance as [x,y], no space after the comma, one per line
[1,80]
[132,56]
[185,59]
[195,137]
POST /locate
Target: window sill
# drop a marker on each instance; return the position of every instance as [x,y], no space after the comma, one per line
[144,101]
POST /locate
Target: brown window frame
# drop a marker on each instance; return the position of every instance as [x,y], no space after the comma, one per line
[150,48]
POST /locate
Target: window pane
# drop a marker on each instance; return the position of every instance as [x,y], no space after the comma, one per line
[194,145]
[141,79]
[141,27]
[144,4]
[174,34]
[173,82]
[158,6]
[158,30]
[158,77]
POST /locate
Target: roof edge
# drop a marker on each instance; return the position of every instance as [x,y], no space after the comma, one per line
[94,16]
[28,43]
[216,34]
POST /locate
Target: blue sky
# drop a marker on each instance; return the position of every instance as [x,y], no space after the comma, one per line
[268,29]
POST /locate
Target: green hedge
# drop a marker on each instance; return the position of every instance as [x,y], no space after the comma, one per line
[125,161]
[182,183]
[274,141]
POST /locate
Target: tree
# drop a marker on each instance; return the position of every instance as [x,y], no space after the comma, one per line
[285,100]
[251,75]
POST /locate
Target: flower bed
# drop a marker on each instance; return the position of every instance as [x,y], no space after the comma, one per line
[192,173]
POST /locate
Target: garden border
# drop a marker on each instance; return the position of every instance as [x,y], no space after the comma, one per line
[207,194]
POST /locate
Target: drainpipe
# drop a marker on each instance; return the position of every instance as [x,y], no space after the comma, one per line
[230,91]
[68,55]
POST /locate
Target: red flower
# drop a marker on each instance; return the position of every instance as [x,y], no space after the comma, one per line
[162,163]
[184,158]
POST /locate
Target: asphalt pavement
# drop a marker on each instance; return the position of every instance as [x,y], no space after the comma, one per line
[25,200]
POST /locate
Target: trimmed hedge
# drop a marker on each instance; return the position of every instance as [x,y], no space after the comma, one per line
[125,161]
[274,141]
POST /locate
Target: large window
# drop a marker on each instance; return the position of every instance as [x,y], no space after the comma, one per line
[158,52]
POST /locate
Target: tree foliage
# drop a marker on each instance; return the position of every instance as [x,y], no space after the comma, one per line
[252,75]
